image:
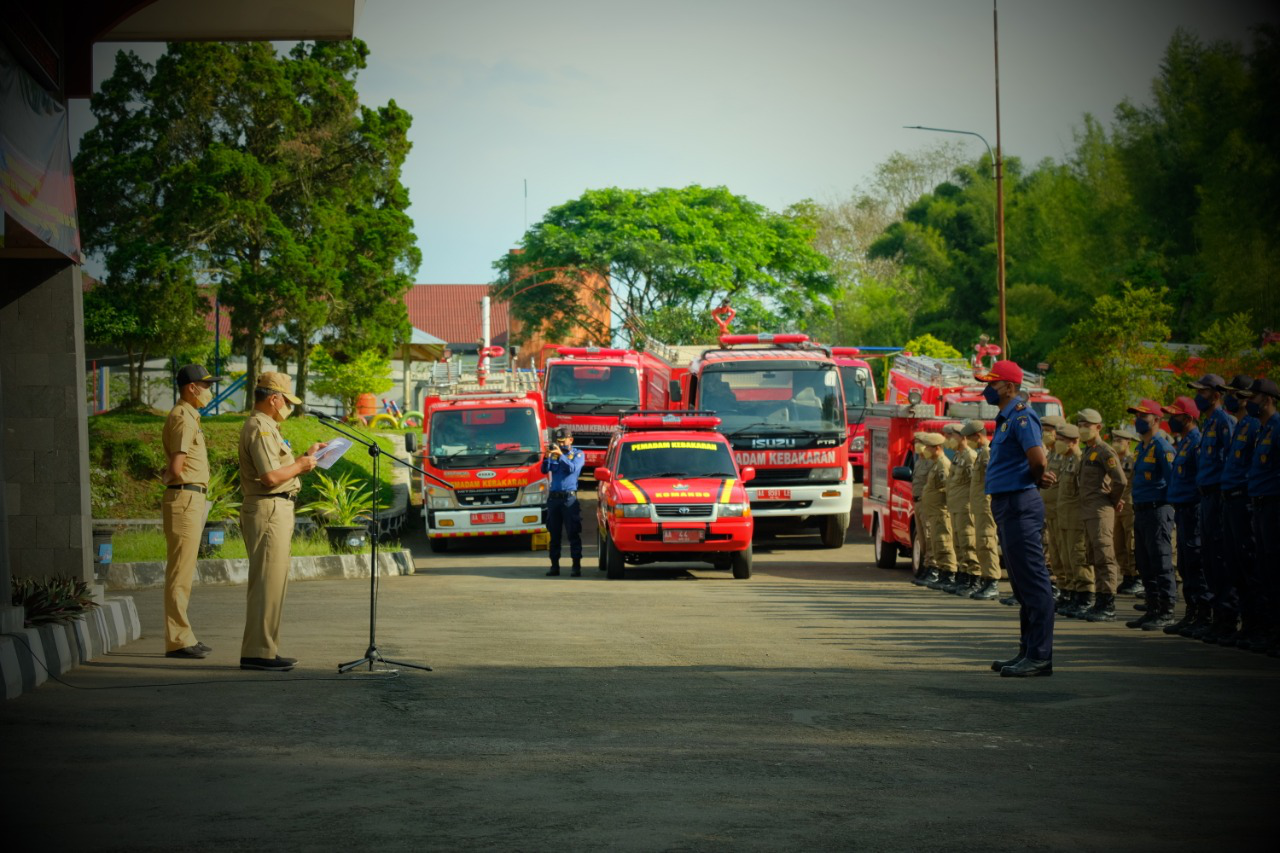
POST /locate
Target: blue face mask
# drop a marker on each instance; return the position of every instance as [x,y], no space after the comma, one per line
[1202,403]
[1253,408]
[991,395]
[1232,403]
[1142,426]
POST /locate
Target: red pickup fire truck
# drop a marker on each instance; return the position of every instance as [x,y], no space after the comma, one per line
[588,389]
[487,447]
[949,387]
[859,392]
[781,406]
[670,492]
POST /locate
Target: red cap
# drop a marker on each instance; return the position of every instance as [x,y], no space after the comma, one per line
[1147,407]
[1002,371]
[1182,406]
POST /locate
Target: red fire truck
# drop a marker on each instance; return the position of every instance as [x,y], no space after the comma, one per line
[859,393]
[588,389]
[949,387]
[671,492]
[888,508]
[780,403]
[487,448]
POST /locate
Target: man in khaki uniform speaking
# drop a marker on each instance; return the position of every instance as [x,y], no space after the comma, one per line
[1102,483]
[186,478]
[269,479]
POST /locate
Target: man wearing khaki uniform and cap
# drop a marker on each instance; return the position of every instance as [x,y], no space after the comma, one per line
[1049,426]
[934,504]
[961,511]
[1071,555]
[984,523]
[186,479]
[269,479]
[1102,483]
[919,476]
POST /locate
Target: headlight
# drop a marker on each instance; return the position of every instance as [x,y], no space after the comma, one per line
[438,498]
[535,494]
[859,442]
[825,473]
[631,511]
[735,510]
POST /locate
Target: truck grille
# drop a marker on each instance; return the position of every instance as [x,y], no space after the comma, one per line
[683,510]
[781,477]
[763,505]
[593,440]
[486,497]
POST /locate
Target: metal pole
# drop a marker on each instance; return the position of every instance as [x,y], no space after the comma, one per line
[1004,333]
[217,351]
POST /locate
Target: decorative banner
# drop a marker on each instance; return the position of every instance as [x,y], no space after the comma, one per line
[36,186]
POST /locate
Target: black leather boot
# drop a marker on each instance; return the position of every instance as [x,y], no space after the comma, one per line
[1141,622]
[554,571]
[1103,610]
[997,665]
[944,578]
[928,576]
[1188,616]
[1163,618]
[576,571]
[988,590]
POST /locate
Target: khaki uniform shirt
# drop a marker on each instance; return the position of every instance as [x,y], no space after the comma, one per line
[1101,477]
[1069,491]
[182,434]
[1053,462]
[1126,464]
[935,487]
[958,480]
[979,501]
[920,476]
[262,449]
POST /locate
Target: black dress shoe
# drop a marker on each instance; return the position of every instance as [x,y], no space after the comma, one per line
[554,572]
[1010,601]
[188,652]
[276,664]
[201,645]
[1028,668]
[997,665]
[1162,620]
[575,573]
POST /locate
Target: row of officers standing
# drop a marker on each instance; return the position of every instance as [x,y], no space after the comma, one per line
[1130,515]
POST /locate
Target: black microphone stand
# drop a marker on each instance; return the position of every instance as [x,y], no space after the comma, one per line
[372,654]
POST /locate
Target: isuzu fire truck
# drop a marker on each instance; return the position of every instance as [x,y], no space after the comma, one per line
[781,406]
[487,448]
[949,387]
[670,491]
[888,507]
[588,389]
[859,392]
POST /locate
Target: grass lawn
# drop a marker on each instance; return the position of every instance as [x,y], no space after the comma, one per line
[126,458]
[145,546]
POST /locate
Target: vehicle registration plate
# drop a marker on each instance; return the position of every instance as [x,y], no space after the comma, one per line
[488,517]
[682,535]
[773,495]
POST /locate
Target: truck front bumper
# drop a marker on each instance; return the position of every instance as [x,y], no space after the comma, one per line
[822,499]
[642,536]
[514,520]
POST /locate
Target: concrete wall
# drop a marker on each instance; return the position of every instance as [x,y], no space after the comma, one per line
[46,441]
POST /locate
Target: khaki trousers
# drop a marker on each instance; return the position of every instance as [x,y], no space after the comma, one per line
[1073,571]
[1124,542]
[183,517]
[1099,530]
[267,526]
[938,526]
[962,536]
[986,542]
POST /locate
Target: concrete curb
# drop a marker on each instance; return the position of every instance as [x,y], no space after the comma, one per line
[345,566]
[29,655]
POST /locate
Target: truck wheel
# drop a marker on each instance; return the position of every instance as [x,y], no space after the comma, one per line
[616,569]
[604,551]
[833,530]
[917,548]
[437,544]
[741,564]
[886,552]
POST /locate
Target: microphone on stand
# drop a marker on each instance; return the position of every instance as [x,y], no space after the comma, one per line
[324,416]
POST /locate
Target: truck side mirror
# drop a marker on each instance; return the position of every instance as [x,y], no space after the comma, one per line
[747,474]
[674,388]
[603,475]
[411,441]
[902,472]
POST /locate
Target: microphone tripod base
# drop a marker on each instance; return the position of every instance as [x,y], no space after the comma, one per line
[373,656]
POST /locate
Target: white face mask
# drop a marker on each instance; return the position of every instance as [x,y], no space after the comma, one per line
[204,396]
[1060,447]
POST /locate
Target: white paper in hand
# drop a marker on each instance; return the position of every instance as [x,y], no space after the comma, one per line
[331,452]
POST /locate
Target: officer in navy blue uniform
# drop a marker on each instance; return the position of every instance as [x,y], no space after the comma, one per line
[1153,519]
[1237,514]
[564,463]
[1185,497]
[1216,427]
[1264,492]
[1015,474]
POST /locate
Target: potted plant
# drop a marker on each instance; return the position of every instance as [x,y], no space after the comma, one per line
[221,499]
[344,507]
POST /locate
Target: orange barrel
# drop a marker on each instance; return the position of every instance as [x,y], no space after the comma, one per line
[367,405]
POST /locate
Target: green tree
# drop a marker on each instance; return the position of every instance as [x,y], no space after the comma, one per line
[927,344]
[1115,355]
[368,372]
[657,252]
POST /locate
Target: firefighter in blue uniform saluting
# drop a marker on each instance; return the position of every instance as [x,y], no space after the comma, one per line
[564,513]
[1153,518]
[1015,474]
[1216,427]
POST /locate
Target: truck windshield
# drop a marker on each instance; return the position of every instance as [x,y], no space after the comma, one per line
[858,388]
[473,438]
[676,458]
[606,389]
[800,398]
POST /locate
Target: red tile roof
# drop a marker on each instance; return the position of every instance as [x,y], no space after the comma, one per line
[451,312]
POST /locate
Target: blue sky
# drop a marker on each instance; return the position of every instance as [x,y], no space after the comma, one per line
[778,101]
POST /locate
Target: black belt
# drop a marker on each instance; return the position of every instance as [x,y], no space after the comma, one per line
[188,487]
[1150,505]
[560,494]
[1241,492]
[290,498]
